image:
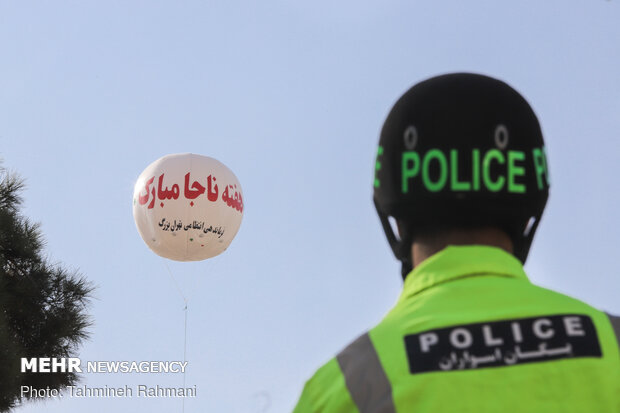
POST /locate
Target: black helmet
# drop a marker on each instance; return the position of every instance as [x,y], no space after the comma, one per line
[461,150]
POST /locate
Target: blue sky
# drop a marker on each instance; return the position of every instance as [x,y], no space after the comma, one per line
[290,96]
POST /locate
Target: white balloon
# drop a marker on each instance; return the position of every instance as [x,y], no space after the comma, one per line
[187,207]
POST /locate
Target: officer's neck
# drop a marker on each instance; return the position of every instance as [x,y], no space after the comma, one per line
[429,244]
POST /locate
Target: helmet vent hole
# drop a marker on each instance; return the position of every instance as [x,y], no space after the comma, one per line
[411,138]
[394,226]
[501,136]
[529,226]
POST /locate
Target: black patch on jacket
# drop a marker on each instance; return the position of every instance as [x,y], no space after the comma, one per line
[502,343]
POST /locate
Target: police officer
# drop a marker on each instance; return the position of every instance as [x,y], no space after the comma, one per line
[462,169]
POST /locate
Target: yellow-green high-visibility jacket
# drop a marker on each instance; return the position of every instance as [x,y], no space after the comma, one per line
[470,333]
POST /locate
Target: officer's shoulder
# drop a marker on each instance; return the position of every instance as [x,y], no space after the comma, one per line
[327,373]
[331,371]
[327,388]
[564,300]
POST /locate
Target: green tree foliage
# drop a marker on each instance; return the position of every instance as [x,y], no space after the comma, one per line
[42,305]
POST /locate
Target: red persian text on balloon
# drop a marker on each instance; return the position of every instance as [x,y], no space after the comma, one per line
[231,196]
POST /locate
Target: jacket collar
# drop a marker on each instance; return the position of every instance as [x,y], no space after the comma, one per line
[454,262]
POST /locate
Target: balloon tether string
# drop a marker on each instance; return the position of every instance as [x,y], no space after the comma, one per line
[184,333]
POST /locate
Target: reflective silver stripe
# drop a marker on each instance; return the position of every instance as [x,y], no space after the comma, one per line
[365,378]
[615,323]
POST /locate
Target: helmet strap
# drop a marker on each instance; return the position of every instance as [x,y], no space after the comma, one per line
[401,246]
[523,240]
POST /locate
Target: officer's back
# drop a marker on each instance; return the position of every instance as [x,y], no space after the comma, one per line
[462,169]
